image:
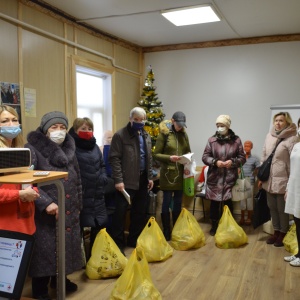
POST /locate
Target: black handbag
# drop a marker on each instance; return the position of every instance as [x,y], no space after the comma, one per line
[263,173]
[261,211]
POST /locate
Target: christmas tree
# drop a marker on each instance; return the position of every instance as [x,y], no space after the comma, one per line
[151,104]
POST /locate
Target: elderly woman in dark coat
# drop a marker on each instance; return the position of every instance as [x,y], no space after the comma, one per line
[93,177]
[224,154]
[54,150]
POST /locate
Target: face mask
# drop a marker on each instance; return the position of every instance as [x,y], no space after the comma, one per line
[86,135]
[299,132]
[138,126]
[58,136]
[10,132]
[222,130]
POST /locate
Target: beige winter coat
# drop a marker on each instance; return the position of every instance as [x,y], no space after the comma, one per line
[280,168]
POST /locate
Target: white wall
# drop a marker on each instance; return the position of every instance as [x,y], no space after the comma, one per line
[241,81]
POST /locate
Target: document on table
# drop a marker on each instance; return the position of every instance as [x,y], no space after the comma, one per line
[126,195]
[186,158]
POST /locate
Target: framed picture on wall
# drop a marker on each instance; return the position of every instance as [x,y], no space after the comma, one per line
[10,95]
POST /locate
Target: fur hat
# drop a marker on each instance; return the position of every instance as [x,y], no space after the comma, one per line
[224,119]
[51,118]
[179,118]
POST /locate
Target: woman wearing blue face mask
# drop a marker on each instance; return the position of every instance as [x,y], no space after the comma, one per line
[224,154]
[53,149]
[16,205]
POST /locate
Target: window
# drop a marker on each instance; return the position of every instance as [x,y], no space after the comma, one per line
[94,99]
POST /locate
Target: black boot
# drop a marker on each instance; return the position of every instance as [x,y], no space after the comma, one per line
[175,215]
[40,288]
[214,227]
[165,219]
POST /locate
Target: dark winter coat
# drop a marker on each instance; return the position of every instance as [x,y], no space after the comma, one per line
[47,155]
[124,157]
[221,180]
[93,180]
[170,142]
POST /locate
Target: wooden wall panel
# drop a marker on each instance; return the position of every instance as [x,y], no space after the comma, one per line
[43,65]
[8,52]
[92,42]
[42,21]
[127,95]
[127,58]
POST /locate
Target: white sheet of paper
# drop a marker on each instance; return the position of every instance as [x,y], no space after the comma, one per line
[186,158]
[126,195]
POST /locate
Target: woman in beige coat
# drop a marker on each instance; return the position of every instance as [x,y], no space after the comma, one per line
[283,131]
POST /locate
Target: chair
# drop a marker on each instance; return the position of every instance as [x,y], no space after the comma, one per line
[202,197]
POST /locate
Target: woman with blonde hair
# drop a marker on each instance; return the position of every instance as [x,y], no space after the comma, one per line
[17,206]
[282,135]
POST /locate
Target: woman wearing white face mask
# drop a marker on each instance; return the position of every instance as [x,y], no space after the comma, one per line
[53,149]
[224,154]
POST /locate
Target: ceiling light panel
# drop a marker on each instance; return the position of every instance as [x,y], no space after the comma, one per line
[191,15]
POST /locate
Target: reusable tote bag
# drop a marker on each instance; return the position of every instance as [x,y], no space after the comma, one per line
[261,211]
[242,189]
[188,178]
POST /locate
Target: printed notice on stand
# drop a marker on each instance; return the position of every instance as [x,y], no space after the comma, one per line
[186,158]
[11,253]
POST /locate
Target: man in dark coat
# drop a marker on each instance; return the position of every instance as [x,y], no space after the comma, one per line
[131,163]
[52,149]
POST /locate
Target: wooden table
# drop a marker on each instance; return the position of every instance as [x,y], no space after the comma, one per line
[26,177]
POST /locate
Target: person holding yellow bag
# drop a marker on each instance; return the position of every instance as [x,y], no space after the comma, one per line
[292,196]
[224,154]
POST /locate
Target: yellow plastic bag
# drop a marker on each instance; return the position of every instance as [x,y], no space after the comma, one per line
[229,234]
[290,241]
[135,283]
[187,233]
[153,242]
[106,259]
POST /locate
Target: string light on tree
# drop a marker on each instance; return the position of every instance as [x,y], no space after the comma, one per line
[152,105]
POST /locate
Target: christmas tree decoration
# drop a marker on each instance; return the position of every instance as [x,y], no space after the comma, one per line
[152,105]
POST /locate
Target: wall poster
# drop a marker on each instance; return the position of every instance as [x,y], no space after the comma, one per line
[10,95]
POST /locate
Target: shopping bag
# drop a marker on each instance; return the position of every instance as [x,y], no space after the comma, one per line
[261,211]
[242,189]
[188,178]
[229,234]
[135,283]
[153,242]
[290,241]
[106,260]
[187,233]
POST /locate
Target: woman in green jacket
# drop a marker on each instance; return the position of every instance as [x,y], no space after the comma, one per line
[171,143]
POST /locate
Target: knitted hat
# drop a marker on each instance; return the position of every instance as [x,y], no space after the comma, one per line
[224,119]
[179,118]
[51,118]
